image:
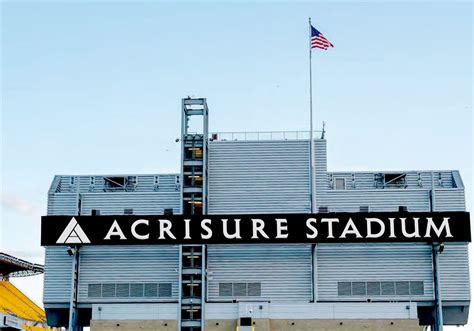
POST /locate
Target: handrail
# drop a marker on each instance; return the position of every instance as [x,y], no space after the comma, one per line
[263,135]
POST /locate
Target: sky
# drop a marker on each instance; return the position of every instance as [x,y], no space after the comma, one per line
[95,88]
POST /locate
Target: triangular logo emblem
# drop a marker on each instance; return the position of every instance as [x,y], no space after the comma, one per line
[73,234]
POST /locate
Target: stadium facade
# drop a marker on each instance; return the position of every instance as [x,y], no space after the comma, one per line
[372,286]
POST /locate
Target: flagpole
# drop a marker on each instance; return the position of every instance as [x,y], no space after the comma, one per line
[311,142]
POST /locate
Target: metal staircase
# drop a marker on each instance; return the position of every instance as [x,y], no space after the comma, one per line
[194,192]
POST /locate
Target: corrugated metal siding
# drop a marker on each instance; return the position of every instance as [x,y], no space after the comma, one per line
[142,203]
[258,176]
[372,262]
[93,183]
[62,203]
[377,200]
[57,275]
[128,264]
[454,271]
[450,199]
[151,264]
[283,270]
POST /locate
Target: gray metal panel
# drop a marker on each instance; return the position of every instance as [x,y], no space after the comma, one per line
[62,203]
[283,270]
[372,262]
[142,203]
[258,176]
[57,275]
[454,272]
[128,264]
[377,200]
[450,199]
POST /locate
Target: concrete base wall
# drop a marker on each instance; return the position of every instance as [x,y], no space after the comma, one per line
[158,325]
[264,325]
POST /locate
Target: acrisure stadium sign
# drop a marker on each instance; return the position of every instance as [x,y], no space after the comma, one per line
[256,228]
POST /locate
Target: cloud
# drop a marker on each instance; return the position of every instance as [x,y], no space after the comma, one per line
[19,205]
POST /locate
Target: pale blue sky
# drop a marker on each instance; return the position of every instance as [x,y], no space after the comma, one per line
[96,87]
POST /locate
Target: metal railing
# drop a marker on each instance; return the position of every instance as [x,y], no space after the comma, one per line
[263,135]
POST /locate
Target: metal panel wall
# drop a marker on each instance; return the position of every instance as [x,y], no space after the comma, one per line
[57,275]
[284,271]
[152,264]
[128,264]
[142,203]
[454,272]
[372,262]
[258,176]
[377,200]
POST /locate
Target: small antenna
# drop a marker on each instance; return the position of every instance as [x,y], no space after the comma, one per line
[324,130]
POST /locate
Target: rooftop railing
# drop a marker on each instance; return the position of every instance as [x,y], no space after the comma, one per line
[264,135]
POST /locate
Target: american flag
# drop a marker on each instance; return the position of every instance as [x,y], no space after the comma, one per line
[318,40]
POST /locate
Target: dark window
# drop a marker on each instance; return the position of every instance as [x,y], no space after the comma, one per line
[95,212]
[364,209]
[240,289]
[395,180]
[128,211]
[151,290]
[402,208]
[168,211]
[246,321]
[164,290]
[225,289]
[373,288]
[358,288]
[343,288]
[323,209]
[254,289]
[402,288]
[123,290]
[108,290]
[388,288]
[339,184]
[417,288]
[136,290]
[94,290]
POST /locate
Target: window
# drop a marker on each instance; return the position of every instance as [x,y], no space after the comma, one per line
[95,212]
[339,184]
[396,180]
[225,289]
[168,211]
[323,209]
[128,211]
[240,289]
[127,290]
[377,288]
[402,208]
[364,209]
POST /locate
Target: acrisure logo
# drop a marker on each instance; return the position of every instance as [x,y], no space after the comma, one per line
[73,234]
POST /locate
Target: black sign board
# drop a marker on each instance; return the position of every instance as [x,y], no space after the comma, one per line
[256,228]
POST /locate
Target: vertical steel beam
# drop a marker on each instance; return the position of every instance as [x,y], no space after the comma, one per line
[437,250]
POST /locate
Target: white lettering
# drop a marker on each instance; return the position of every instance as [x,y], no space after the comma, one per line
[415,233]
[257,227]
[115,230]
[281,228]
[204,225]
[330,221]
[438,231]
[165,227]
[236,235]
[311,228]
[134,230]
[350,229]
[369,228]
